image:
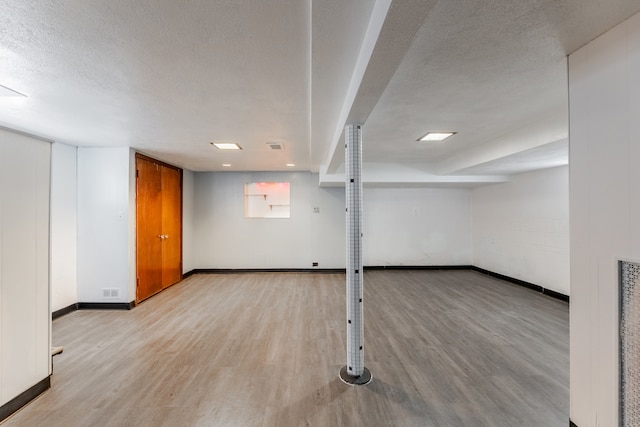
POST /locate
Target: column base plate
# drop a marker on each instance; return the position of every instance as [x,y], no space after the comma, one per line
[363,379]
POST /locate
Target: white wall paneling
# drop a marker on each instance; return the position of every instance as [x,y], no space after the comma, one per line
[604,94]
[521,228]
[64,226]
[25,356]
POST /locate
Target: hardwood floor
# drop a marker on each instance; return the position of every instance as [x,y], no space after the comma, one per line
[446,348]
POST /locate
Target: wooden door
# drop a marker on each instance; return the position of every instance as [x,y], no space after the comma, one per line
[158,226]
[171,226]
[148,228]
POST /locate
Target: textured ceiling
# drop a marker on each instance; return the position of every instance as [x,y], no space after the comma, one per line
[169,77]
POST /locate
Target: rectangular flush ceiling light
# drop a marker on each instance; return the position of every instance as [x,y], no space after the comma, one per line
[436,136]
[226,146]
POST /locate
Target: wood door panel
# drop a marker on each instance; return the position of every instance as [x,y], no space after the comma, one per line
[148,228]
[171,226]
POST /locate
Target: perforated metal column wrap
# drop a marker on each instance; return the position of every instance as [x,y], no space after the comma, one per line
[629,344]
[355,371]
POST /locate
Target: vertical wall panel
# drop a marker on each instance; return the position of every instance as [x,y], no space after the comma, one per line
[24,263]
[604,198]
[64,226]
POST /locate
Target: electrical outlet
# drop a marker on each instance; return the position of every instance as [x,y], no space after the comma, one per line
[315,264]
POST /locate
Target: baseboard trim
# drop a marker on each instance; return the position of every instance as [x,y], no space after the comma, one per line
[262,270]
[92,306]
[66,310]
[12,406]
[106,305]
[321,270]
[556,295]
[537,288]
[417,267]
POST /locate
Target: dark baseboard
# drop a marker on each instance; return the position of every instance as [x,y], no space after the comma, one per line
[23,398]
[556,295]
[93,306]
[572,424]
[66,310]
[188,273]
[106,305]
[321,270]
[262,270]
[519,282]
[417,267]
[537,288]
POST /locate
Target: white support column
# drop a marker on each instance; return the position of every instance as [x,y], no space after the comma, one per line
[354,372]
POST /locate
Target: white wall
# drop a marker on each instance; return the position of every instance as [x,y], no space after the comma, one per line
[223,238]
[187,220]
[64,225]
[25,319]
[604,94]
[105,229]
[416,226]
[401,226]
[521,228]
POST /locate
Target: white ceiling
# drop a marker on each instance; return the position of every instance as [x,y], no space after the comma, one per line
[168,78]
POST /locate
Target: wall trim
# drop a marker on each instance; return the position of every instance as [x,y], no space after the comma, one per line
[106,305]
[418,267]
[12,406]
[261,270]
[66,310]
[93,306]
[537,288]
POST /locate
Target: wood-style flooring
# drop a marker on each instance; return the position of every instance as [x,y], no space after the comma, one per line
[446,348]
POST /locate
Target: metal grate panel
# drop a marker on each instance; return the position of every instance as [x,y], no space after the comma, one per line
[629,344]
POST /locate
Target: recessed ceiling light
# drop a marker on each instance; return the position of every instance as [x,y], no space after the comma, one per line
[436,136]
[226,146]
[226,165]
[291,165]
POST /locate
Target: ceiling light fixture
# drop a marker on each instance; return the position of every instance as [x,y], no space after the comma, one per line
[226,146]
[436,136]
[291,165]
[226,165]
